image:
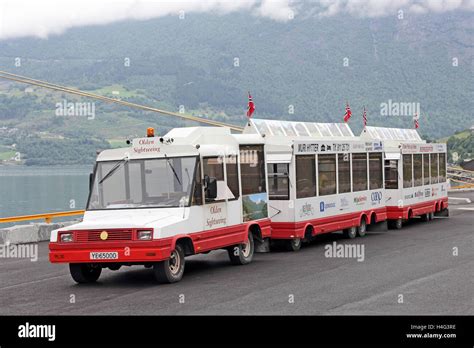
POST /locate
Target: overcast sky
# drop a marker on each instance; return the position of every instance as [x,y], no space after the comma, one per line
[42,18]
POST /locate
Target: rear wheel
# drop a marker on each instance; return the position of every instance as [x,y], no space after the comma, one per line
[242,254]
[362,229]
[425,217]
[293,244]
[84,272]
[398,224]
[171,270]
[431,216]
[350,233]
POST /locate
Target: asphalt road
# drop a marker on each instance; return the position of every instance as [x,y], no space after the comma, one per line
[416,262]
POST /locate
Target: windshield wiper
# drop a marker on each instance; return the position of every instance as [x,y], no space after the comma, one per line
[174,171]
[114,169]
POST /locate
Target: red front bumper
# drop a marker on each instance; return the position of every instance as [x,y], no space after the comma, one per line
[128,251]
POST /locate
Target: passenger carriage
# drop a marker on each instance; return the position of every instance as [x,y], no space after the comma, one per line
[415,174]
[321,179]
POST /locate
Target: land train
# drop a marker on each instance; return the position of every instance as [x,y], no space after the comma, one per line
[199,189]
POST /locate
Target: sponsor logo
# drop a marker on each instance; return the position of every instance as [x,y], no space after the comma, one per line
[427,192]
[360,199]
[427,148]
[28,330]
[335,250]
[434,191]
[378,145]
[306,210]
[344,202]
[419,194]
[376,197]
[323,206]
[410,196]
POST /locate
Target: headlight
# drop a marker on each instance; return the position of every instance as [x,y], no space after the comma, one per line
[144,235]
[66,237]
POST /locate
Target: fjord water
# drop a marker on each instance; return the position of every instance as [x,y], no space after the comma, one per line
[26,190]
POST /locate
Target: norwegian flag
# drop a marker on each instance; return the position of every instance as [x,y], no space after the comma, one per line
[251,107]
[415,120]
[348,113]
[364,117]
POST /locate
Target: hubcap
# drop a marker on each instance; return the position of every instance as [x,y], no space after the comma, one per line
[175,262]
[246,249]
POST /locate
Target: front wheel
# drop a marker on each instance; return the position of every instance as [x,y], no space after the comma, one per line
[171,270]
[84,272]
[242,254]
[293,244]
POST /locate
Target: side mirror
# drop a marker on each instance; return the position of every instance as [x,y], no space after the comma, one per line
[91,181]
[211,187]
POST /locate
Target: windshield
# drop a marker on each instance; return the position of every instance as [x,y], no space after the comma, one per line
[157,182]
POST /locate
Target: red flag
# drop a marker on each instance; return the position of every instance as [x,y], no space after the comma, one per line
[348,113]
[364,117]
[251,107]
[415,120]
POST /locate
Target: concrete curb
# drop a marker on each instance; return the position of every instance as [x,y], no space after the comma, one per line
[32,233]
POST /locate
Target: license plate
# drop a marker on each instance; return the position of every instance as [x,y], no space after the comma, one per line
[104,255]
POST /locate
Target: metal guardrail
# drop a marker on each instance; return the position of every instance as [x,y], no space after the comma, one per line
[48,217]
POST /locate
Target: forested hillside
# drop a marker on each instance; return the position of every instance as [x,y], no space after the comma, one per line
[304,69]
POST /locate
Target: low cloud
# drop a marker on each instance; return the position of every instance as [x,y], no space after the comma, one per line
[42,18]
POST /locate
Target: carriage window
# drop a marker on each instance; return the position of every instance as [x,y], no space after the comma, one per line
[375,170]
[278,181]
[417,169]
[434,168]
[252,169]
[327,174]
[305,176]
[426,169]
[442,167]
[407,171]
[214,168]
[391,174]
[232,175]
[359,171]
[344,172]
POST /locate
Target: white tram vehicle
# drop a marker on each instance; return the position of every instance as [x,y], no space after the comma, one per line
[194,190]
[321,179]
[415,175]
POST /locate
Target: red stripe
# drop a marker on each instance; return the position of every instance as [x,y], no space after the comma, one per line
[287,230]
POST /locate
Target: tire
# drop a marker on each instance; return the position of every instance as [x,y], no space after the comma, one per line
[431,216]
[83,273]
[398,224]
[293,244]
[425,217]
[171,270]
[242,254]
[350,233]
[362,228]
